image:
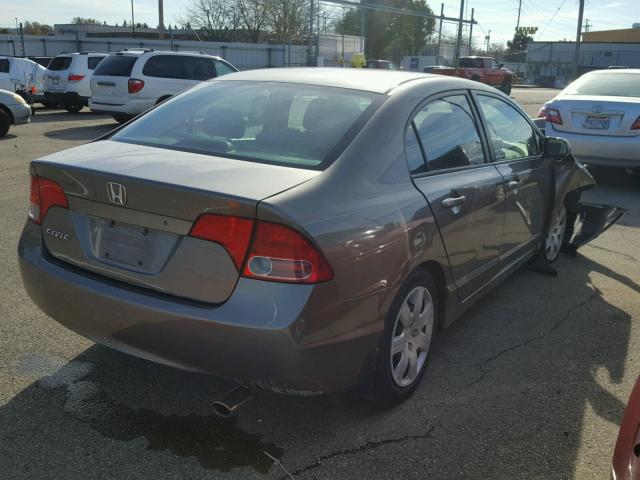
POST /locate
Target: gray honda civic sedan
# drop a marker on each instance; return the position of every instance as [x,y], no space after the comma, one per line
[300,230]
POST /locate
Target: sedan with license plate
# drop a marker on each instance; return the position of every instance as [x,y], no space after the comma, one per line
[599,115]
[300,230]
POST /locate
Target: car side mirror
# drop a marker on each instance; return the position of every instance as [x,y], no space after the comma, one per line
[556,148]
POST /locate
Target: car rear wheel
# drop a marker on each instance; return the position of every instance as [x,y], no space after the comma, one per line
[410,327]
[5,123]
[73,108]
[554,240]
[121,117]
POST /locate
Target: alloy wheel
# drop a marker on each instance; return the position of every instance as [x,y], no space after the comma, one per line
[555,237]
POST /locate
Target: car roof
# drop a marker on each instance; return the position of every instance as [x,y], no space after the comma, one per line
[377,81]
[614,71]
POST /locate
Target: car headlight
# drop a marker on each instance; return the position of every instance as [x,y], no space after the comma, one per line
[18,99]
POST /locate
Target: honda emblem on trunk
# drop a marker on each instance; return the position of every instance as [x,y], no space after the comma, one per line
[117,193]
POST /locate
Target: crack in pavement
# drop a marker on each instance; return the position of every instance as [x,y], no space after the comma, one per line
[484,372]
[625,255]
[369,445]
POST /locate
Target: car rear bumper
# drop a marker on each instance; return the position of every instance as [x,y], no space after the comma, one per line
[288,338]
[606,151]
[65,98]
[131,107]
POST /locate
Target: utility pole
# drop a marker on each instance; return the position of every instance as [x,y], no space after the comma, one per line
[587,25]
[456,58]
[576,60]
[519,10]
[440,29]
[160,20]
[311,22]
[488,39]
[362,29]
[133,23]
[24,53]
[471,34]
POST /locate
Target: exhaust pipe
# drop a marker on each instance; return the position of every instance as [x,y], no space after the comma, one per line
[231,401]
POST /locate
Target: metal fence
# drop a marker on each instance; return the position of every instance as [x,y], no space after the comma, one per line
[243,55]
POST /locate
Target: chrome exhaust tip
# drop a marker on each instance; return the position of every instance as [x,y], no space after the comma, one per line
[232,401]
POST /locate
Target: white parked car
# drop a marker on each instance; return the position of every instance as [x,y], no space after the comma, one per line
[21,74]
[67,80]
[599,114]
[128,83]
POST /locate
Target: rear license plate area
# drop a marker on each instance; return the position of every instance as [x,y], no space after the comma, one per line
[597,123]
[130,247]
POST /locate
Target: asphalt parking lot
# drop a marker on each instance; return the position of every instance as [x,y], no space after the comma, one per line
[529,384]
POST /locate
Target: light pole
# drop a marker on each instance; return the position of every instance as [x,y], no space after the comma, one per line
[133,22]
[576,61]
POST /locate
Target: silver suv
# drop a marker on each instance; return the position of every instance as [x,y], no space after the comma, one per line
[128,83]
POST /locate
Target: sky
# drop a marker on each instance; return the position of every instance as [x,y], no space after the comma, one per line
[555,19]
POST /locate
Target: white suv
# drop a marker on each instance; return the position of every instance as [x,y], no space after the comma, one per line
[128,83]
[66,82]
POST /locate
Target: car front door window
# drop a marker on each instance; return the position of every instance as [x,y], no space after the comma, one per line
[510,135]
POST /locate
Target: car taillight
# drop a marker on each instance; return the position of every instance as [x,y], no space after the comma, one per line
[44,194]
[233,233]
[282,254]
[277,253]
[551,115]
[135,85]
[636,124]
[74,77]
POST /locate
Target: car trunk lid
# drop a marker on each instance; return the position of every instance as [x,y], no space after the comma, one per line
[57,74]
[596,115]
[110,80]
[131,209]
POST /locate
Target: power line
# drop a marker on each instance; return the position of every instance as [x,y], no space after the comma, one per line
[553,16]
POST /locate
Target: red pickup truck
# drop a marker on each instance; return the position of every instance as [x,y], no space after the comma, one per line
[481,69]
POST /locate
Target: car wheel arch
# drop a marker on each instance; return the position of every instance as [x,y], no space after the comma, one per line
[438,273]
[6,110]
[163,98]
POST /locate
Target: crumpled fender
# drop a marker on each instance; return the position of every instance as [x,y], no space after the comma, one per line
[592,220]
[585,220]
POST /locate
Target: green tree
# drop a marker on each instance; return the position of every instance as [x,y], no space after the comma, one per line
[85,21]
[391,35]
[36,28]
[519,42]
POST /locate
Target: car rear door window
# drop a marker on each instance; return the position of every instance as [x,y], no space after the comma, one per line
[198,68]
[510,135]
[165,66]
[116,66]
[448,133]
[92,62]
[223,68]
[415,158]
[4,65]
[60,63]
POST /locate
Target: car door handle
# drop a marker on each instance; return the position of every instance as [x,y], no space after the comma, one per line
[453,201]
[513,184]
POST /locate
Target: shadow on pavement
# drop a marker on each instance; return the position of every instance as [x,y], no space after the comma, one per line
[505,397]
[47,115]
[90,132]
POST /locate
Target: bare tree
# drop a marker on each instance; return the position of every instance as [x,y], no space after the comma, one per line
[287,18]
[253,18]
[214,18]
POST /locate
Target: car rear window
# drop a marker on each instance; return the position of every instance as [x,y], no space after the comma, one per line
[471,62]
[608,85]
[60,63]
[116,66]
[303,126]
[4,65]
[92,62]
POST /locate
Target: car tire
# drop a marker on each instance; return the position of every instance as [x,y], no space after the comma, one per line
[5,123]
[163,99]
[554,241]
[406,344]
[506,87]
[73,108]
[121,117]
